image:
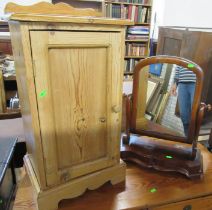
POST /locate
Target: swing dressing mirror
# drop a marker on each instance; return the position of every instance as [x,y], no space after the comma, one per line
[166,96]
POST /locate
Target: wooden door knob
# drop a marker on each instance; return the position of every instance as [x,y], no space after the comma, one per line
[102,119]
[188,207]
[116,109]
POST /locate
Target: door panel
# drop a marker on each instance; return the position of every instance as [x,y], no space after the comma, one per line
[78,87]
[77,78]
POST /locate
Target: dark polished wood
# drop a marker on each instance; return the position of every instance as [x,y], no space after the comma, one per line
[196,103]
[10,115]
[163,156]
[150,152]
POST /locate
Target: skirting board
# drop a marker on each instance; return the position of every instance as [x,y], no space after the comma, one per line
[49,199]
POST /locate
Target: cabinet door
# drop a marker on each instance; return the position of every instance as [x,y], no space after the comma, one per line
[78,78]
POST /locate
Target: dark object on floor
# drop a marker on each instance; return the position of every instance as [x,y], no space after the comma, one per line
[7,173]
[14,128]
[10,115]
[20,151]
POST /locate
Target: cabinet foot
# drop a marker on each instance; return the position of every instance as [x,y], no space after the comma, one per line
[49,199]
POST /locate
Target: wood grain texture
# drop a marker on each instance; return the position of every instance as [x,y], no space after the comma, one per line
[26,88]
[173,192]
[194,204]
[82,116]
[75,187]
[48,8]
[98,5]
[70,76]
[69,19]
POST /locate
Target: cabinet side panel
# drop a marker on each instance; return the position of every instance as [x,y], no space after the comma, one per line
[26,90]
[78,87]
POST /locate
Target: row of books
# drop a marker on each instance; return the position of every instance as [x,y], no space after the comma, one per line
[133,1]
[138,14]
[135,49]
[138,32]
[137,37]
[144,30]
[130,65]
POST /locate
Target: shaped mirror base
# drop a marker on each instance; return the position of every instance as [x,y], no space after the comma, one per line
[146,152]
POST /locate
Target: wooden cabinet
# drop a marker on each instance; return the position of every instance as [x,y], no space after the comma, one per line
[76,85]
[69,73]
[191,43]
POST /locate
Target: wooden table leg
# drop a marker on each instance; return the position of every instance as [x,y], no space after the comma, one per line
[210,141]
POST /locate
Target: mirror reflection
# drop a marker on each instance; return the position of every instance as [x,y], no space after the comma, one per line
[165,99]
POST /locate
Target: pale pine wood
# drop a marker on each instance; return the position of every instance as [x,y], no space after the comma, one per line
[69,19]
[73,131]
[25,67]
[73,188]
[78,127]
[173,192]
[48,8]
[26,89]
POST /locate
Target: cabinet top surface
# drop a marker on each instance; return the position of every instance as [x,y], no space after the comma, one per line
[68,19]
[60,12]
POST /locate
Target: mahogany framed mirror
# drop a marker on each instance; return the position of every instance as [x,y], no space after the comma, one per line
[151,137]
[166,98]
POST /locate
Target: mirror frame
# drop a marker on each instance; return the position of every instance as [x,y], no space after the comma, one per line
[196,102]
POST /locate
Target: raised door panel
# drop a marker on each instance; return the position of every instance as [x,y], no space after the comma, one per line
[76,74]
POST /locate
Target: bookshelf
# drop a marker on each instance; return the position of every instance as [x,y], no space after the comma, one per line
[137,36]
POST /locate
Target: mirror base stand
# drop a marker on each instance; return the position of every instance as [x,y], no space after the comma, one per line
[144,152]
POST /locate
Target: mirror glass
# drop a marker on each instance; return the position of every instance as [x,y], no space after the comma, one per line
[165,99]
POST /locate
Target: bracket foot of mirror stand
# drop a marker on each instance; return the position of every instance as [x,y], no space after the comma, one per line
[146,152]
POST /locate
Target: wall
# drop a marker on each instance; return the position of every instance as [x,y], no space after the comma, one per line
[21,2]
[158,7]
[192,13]
[189,13]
